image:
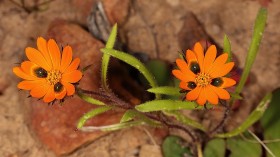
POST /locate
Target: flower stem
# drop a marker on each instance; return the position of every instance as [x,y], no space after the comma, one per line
[222,122]
[199,150]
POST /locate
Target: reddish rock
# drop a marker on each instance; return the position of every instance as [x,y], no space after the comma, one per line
[117,10]
[83,8]
[55,124]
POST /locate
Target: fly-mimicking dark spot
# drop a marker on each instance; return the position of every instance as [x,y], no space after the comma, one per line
[40,72]
[217,82]
[58,87]
[194,67]
[191,85]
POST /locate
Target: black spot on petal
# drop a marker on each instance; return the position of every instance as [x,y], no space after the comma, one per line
[40,72]
[217,82]
[191,85]
[194,67]
[58,87]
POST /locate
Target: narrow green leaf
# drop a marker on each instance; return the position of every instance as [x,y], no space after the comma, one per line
[112,37]
[253,117]
[90,99]
[86,68]
[166,90]
[127,116]
[161,105]
[253,49]
[271,124]
[227,48]
[172,146]
[238,147]
[132,114]
[236,96]
[91,114]
[112,127]
[215,148]
[106,58]
[131,60]
[185,120]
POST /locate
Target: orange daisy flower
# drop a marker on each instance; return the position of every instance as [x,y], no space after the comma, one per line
[47,73]
[203,75]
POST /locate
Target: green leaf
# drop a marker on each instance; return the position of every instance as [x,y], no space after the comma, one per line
[131,60]
[253,49]
[238,147]
[185,120]
[172,146]
[128,115]
[106,58]
[159,105]
[131,114]
[86,68]
[253,117]
[215,148]
[271,123]
[236,96]
[227,48]
[166,90]
[90,99]
[160,70]
[112,37]
[91,114]
[112,127]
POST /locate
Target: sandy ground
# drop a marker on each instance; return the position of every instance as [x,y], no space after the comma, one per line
[19,28]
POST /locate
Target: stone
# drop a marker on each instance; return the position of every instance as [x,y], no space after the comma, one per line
[117,10]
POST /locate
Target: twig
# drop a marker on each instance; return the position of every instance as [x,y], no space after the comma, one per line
[222,122]
[264,146]
[264,141]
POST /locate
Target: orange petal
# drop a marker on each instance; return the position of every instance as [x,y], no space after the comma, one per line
[28,85]
[61,94]
[39,91]
[191,57]
[210,56]
[50,96]
[69,88]
[28,67]
[201,100]
[227,82]
[220,61]
[221,70]
[193,94]
[184,85]
[222,93]
[73,66]
[43,48]
[54,54]
[19,72]
[211,96]
[182,65]
[199,52]
[66,58]
[36,57]
[72,77]
[183,76]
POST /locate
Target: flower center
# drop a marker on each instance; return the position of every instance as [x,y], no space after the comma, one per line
[54,76]
[202,79]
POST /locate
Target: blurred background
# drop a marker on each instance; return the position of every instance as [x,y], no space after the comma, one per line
[157,29]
